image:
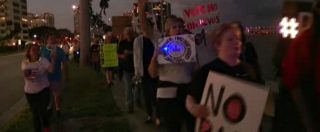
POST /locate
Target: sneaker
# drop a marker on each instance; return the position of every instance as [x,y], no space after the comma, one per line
[149,120]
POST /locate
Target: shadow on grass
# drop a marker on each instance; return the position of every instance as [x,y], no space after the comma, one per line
[88,106]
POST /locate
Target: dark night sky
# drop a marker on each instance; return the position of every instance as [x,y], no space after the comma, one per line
[250,12]
[63,11]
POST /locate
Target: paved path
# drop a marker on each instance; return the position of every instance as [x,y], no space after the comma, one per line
[11,85]
[136,120]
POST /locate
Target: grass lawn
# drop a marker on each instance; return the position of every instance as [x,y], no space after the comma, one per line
[88,106]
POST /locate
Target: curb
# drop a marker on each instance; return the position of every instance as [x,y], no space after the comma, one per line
[9,114]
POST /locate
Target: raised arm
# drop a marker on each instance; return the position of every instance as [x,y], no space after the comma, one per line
[136,56]
[142,15]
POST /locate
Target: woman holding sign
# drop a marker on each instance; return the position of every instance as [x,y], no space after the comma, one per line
[228,46]
[173,77]
[173,80]
[109,70]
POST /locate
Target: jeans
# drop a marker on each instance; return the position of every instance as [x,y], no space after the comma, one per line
[149,92]
[38,104]
[128,84]
[172,113]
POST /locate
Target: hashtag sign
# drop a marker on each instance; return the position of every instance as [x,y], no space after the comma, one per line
[289,27]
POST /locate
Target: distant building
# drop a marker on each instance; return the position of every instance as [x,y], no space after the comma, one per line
[13,18]
[153,10]
[35,20]
[49,18]
[119,23]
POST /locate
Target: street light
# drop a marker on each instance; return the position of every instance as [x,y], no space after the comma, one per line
[19,43]
[35,36]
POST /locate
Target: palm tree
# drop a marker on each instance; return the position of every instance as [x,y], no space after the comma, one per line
[97,24]
[104,4]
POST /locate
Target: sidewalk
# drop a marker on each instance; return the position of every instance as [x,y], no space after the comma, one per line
[136,119]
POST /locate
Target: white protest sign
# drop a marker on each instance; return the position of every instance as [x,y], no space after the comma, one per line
[235,105]
[177,49]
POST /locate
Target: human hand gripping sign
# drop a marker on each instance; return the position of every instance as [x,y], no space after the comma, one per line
[202,112]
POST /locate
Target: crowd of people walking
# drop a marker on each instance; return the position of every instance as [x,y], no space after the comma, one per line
[172,92]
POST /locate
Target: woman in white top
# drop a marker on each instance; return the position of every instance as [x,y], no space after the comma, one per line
[36,86]
[171,90]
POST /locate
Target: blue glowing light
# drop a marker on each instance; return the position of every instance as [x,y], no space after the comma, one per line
[173,48]
[165,48]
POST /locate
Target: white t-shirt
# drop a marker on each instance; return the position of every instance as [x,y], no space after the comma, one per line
[176,73]
[40,80]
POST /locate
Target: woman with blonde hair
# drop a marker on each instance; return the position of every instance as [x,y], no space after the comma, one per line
[173,80]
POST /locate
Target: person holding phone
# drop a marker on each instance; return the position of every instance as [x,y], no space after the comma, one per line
[36,87]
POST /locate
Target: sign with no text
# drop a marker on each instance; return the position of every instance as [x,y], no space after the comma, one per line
[234,105]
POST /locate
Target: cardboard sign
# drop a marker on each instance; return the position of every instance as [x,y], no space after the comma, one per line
[109,56]
[234,105]
[201,16]
[177,49]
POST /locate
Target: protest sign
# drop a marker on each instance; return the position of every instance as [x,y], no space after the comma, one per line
[109,56]
[177,49]
[234,105]
[201,16]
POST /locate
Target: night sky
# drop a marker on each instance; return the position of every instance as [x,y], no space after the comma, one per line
[249,12]
[63,11]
